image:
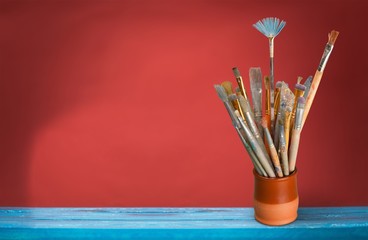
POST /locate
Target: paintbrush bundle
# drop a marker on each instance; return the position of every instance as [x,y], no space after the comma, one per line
[271,138]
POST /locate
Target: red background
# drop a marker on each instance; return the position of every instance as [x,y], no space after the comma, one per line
[111,103]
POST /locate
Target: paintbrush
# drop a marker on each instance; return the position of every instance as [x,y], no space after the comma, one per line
[277,97]
[286,100]
[283,150]
[298,92]
[252,126]
[270,27]
[287,124]
[273,152]
[252,155]
[294,145]
[318,75]
[240,82]
[256,147]
[227,85]
[221,92]
[255,77]
[268,102]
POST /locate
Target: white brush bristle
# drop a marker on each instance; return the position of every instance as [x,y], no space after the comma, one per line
[270,27]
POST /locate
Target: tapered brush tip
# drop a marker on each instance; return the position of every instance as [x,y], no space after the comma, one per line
[264,122]
[236,72]
[233,97]
[332,36]
[300,87]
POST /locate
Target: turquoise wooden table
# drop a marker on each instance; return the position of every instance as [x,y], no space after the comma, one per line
[177,223]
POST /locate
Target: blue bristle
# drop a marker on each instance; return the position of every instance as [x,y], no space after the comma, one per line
[270,27]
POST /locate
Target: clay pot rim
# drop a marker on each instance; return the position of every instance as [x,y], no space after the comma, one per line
[277,179]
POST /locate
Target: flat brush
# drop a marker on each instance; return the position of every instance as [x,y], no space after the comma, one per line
[230,109]
[228,86]
[234,99]
[287,126]
[270,27]
[298,92]
[277,97]
[252,126]
[318,75]
[286,100]
[255,147]
[295,138]
[252,155]
[268,101]
[273,152]
[255,77]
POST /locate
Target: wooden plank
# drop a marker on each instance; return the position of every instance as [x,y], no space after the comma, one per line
[177,223]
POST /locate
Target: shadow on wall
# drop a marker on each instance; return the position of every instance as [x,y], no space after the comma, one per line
[42,78]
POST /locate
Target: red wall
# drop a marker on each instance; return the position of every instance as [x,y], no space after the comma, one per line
[111,103]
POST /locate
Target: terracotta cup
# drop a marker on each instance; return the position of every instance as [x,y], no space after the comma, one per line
[275,199]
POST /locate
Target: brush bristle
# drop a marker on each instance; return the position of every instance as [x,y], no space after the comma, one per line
[264,122]
[236,72]
[267,82]
[300,87]
[221,92]
[270,27]
[299,80]
[233,97]
[255,76]
[228,86]
[332,37]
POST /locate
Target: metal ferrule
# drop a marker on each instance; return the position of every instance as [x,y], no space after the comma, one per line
[299,118]
[270,41]
[282,137]
[240,82]
[325,56]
